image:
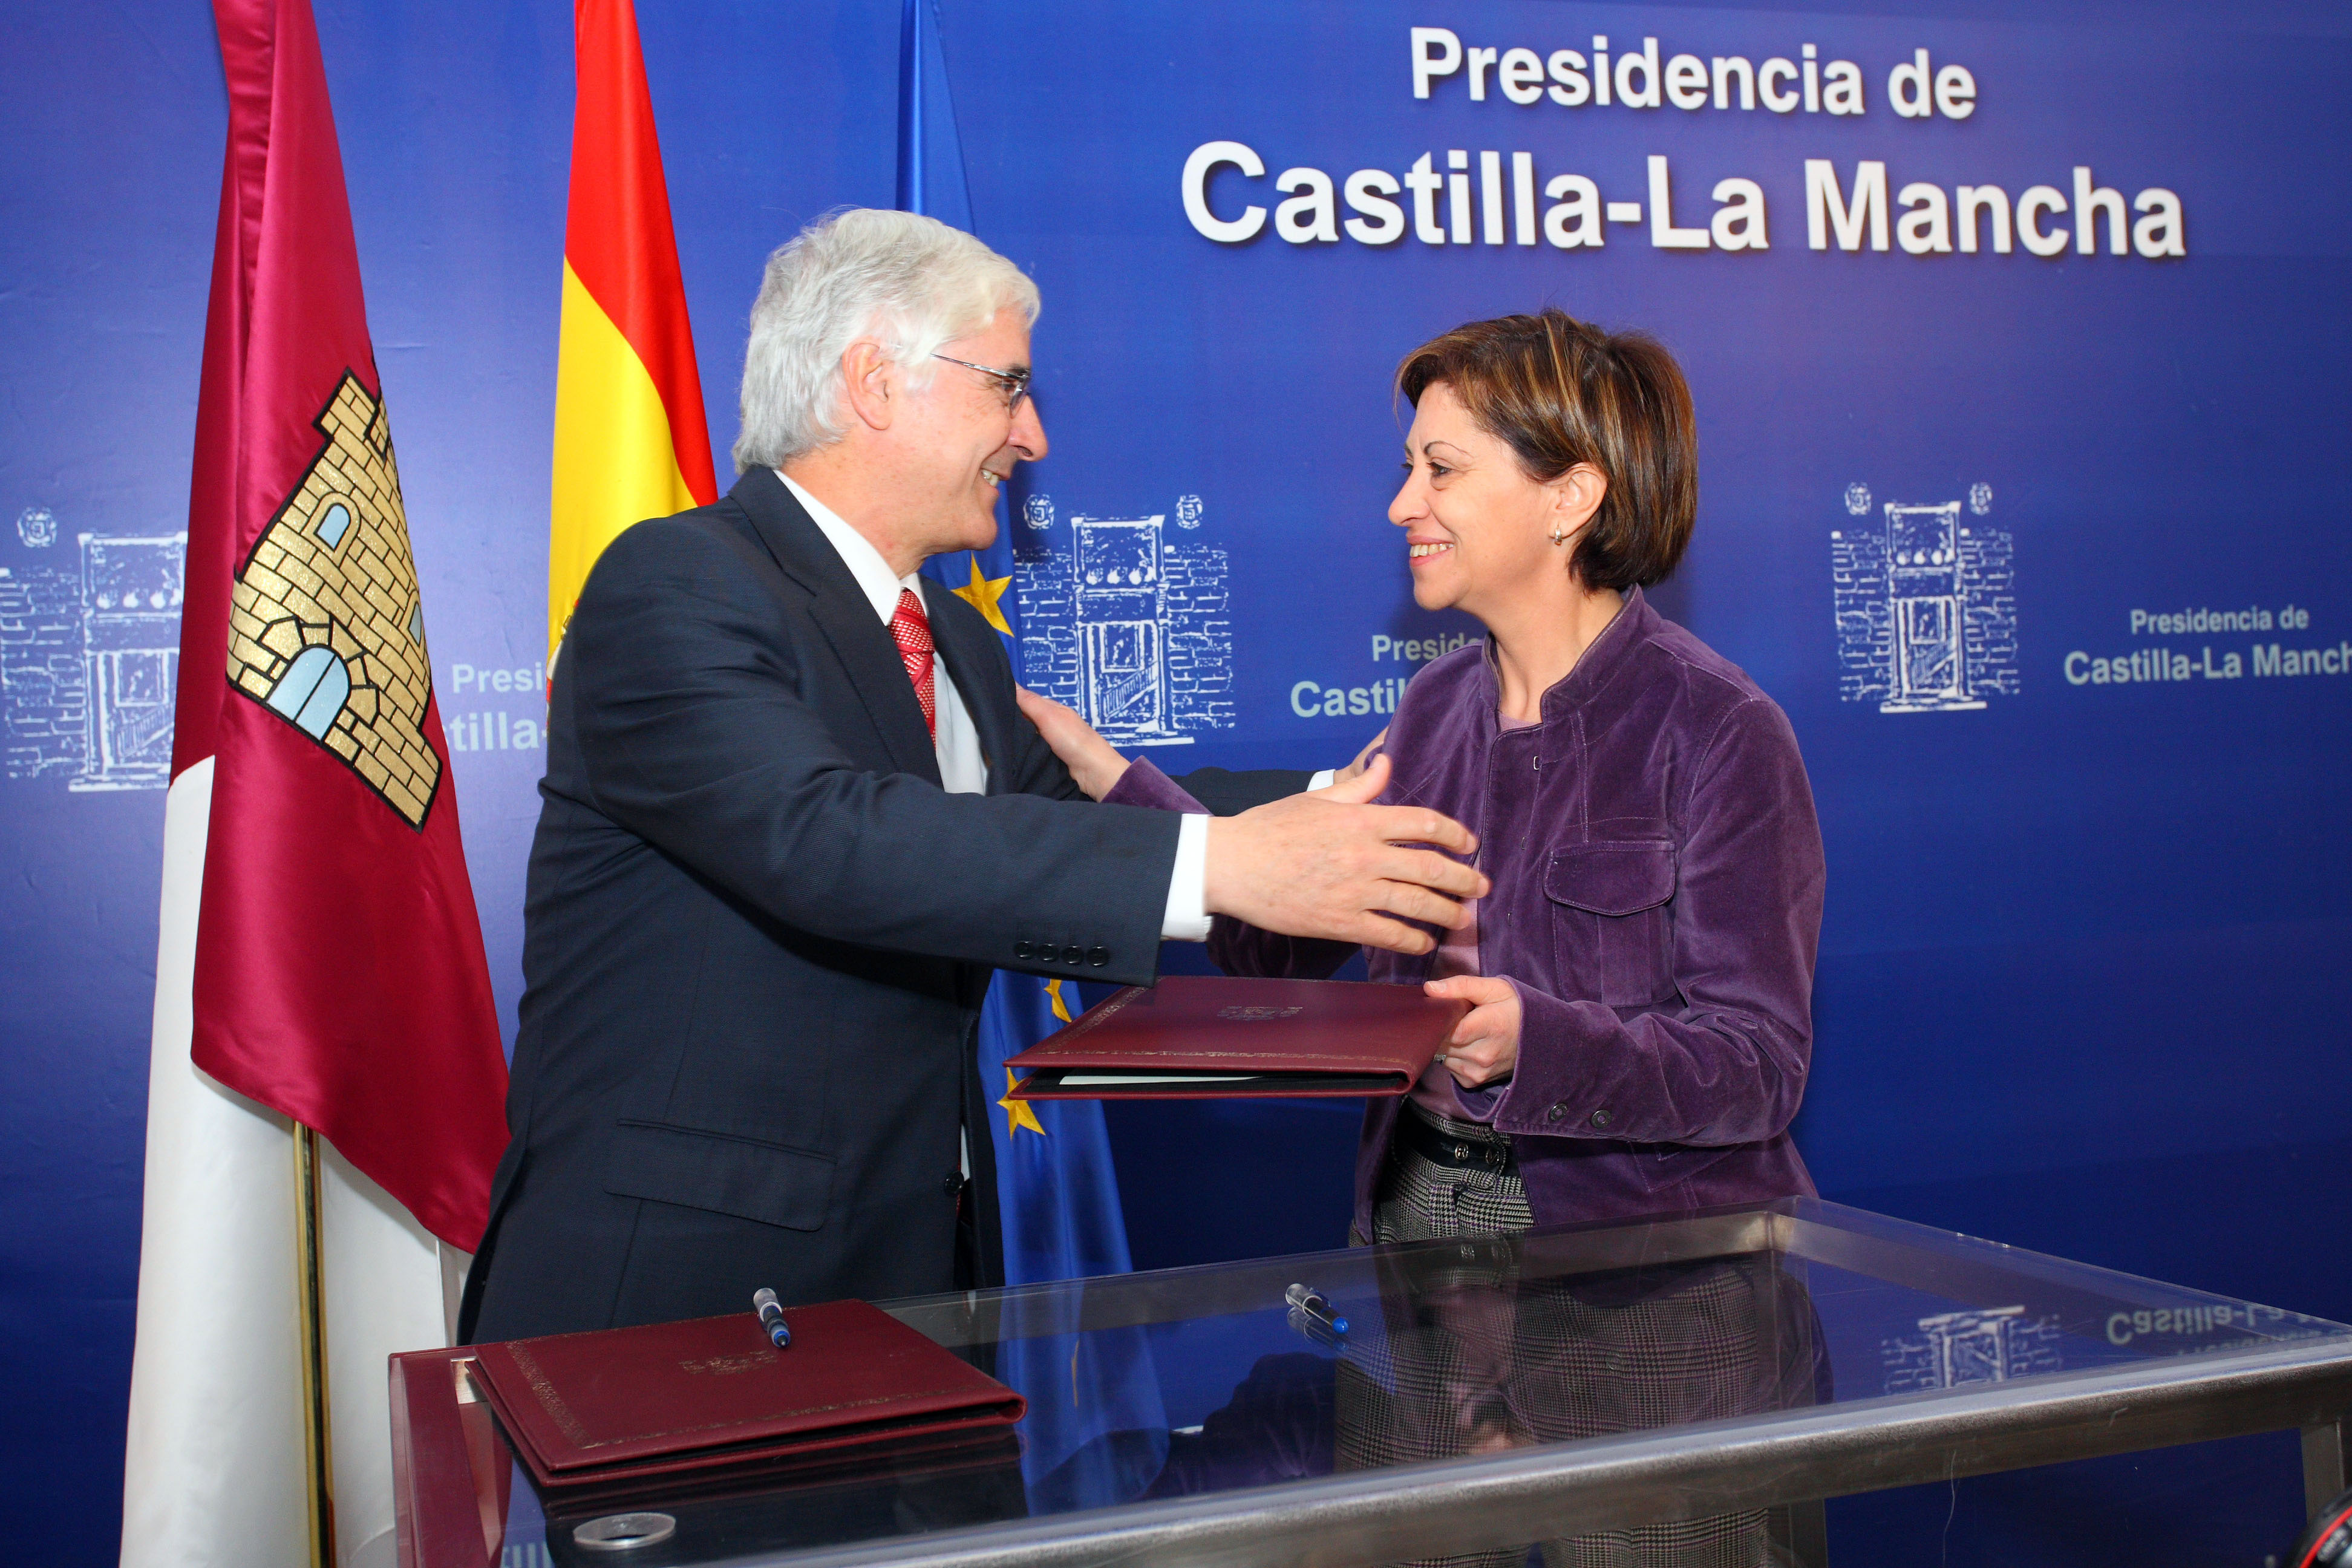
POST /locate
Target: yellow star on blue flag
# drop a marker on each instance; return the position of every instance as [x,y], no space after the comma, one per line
[981,594]
[1017,1113]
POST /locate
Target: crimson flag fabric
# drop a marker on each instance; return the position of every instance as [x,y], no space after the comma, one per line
[340,975]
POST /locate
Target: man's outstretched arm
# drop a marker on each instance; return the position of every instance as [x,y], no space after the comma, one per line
[699,742]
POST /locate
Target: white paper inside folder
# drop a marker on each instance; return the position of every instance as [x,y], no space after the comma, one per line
[1128,1080]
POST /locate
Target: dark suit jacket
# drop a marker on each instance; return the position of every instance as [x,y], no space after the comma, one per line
[757,934]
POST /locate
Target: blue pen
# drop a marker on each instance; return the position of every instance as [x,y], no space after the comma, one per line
[771,1317]
[1316,1307]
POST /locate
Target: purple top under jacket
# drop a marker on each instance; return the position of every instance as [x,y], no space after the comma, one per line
[1657,904]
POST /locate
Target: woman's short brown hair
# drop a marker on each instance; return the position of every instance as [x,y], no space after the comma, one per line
[1561,392]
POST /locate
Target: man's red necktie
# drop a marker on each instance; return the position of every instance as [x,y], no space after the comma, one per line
[912,630]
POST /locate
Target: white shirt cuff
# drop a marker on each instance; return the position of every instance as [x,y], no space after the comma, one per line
[1324,780]
[1187,919]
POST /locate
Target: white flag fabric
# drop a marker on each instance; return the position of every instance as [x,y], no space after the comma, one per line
[215,1474]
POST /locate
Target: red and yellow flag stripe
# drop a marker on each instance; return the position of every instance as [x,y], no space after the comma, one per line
[631,440]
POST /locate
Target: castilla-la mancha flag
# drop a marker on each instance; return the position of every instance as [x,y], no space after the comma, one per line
[320,962]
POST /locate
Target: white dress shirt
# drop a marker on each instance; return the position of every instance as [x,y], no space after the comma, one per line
[962,769]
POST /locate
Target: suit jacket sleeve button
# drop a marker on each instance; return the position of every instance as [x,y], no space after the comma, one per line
[1601,1118]
[1099,956]
[1024,949]
[1071,955]
[1557,1113]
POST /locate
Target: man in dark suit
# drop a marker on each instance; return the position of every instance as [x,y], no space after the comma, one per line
[793,818]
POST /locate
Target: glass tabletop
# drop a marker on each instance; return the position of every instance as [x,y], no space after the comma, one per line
[1199,1383]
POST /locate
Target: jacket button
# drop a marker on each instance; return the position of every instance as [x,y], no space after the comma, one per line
[1601,1118]
[1099,956]
[1557,1113]
[950,1184]
[1072,955]
[1024,949]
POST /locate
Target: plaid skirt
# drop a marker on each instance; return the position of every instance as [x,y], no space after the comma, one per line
[1420,1200]
[1553,1368]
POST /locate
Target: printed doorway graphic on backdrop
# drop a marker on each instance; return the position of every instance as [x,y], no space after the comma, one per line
[1133,631]
[89,657]
[1926,605]
[1955,1349]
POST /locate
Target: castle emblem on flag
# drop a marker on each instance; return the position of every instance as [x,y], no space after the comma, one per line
[327,630]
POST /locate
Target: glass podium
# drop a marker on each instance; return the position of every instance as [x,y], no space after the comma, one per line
[1683,1389]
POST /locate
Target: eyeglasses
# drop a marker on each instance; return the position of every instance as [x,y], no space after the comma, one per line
[1013,383]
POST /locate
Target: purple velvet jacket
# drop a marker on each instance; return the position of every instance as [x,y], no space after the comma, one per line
[1657,904]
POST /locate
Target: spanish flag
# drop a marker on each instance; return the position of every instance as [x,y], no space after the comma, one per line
[630,438]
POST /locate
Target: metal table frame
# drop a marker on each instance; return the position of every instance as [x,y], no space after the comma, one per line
[1788,1459]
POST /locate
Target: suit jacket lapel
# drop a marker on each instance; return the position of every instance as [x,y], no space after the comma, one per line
[863,643]
[965,641]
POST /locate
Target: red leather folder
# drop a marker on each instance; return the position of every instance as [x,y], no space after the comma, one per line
[617,1404]
[1194,1039]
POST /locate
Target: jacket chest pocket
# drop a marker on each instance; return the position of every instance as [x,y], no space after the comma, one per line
[1613,931]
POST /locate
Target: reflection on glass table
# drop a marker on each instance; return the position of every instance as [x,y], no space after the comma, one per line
[1682,1390]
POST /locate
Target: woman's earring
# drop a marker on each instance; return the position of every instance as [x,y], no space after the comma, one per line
[1558,537]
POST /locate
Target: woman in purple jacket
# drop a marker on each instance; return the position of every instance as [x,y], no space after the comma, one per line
[1641,974]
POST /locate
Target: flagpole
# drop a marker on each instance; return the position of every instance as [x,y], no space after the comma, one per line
[317,1448]
[910,108]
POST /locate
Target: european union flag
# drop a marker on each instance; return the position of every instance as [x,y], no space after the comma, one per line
[1091,1395]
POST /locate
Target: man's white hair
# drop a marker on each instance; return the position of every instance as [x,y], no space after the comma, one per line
[911,282]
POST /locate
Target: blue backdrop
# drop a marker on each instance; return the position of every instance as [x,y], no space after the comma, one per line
[1991,525]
